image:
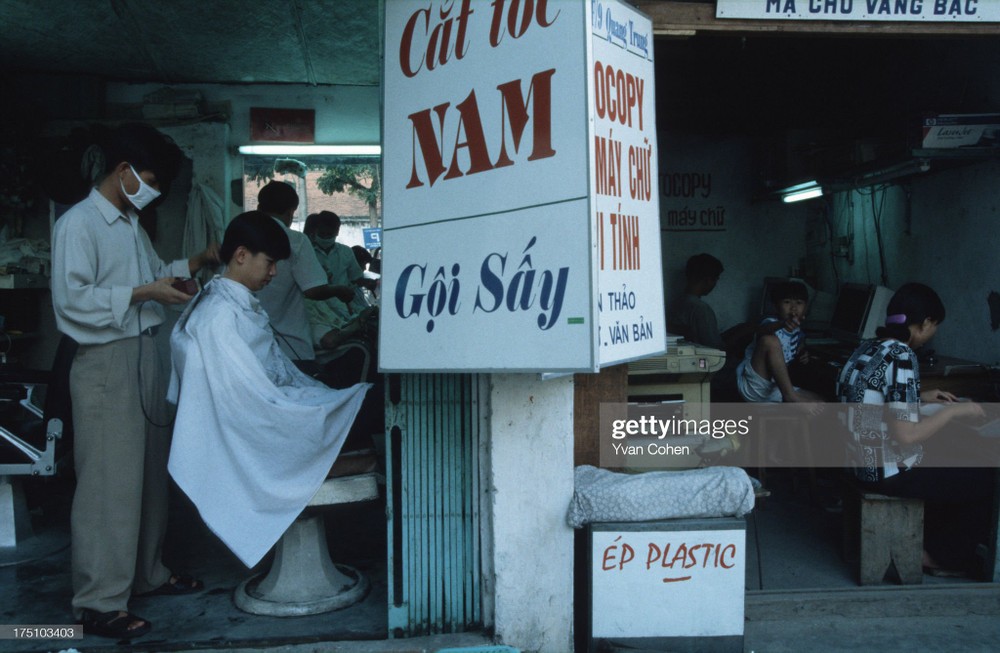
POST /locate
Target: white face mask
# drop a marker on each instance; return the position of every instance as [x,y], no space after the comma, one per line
[142,197]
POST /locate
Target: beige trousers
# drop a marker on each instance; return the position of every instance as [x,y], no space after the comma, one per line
[119,514]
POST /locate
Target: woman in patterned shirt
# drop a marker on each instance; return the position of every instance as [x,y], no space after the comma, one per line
[881,383]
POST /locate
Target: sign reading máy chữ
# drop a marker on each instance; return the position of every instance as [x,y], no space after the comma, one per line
[625,199]
[862,10]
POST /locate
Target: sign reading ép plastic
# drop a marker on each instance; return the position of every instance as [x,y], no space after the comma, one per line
[668,583]
[626,208]
[862,10]
[488,252]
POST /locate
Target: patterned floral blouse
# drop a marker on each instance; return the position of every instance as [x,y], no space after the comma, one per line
[880,381]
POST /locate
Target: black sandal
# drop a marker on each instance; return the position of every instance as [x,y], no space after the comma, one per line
[117,624]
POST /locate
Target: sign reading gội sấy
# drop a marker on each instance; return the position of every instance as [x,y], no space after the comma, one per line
[490,242]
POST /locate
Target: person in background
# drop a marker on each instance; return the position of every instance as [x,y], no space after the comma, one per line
[302,278]
[368,292]
[108,292]
[337,259]
[763,374]
[892,439]
[690,316]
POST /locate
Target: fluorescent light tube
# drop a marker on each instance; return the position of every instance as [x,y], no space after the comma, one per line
[287,150]
[799,195]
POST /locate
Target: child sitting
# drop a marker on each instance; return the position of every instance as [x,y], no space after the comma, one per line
[763,375]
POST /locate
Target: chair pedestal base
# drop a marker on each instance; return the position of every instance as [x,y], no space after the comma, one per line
[302,580]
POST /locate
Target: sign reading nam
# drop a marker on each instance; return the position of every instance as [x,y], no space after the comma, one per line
[862,10]
[491,226]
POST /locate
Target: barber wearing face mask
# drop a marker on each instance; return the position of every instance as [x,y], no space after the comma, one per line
[108,292]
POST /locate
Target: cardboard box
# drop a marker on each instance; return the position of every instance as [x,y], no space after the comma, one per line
[961,130]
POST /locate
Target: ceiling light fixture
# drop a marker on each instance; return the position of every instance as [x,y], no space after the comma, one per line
[319,150]
[799,192]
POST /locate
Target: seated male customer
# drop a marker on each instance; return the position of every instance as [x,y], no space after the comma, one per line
[254,436]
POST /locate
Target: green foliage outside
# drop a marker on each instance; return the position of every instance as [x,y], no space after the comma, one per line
[359,179]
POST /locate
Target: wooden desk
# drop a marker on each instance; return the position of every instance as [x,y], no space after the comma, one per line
[961,377]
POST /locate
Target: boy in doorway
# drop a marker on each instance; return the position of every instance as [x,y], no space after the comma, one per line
[763,375]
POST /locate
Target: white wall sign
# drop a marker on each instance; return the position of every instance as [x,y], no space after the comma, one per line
[493,220]
[668,583]
[626,206]
[862,10]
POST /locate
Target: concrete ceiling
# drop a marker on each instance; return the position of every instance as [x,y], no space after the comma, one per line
[180,41]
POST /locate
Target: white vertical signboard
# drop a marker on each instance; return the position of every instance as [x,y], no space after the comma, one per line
[626,209]
[521,225]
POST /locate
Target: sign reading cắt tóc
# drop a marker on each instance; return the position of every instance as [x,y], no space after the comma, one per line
[490,242]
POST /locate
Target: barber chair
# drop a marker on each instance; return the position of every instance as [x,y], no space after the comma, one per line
[28,437]
[303,579]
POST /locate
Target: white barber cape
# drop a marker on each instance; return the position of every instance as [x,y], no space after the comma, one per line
[254,437]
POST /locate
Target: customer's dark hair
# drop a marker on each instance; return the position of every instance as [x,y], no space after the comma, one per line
[702,266]
[911,304]
[362,256]
[789,290]
[310,225]
[329,218]
[144,148]
[317,221]
[276,197]
[258,232]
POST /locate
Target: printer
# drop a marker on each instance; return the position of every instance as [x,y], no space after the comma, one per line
[682,375]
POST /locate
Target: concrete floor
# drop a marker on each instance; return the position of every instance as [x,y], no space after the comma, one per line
[38,591]
[801,594]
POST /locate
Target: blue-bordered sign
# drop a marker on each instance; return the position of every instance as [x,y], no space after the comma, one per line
[373,238]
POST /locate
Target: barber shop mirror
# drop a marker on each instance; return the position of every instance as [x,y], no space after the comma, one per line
[349,186]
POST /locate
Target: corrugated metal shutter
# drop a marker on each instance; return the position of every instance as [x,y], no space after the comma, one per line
[433,486]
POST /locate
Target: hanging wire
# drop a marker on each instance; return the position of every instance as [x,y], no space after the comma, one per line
[827,211]
[877,217]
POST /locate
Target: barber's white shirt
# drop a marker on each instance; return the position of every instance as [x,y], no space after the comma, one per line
[282,296]
[98,257]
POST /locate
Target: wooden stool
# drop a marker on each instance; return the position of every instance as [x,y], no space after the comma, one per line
[779,426]
[883,532]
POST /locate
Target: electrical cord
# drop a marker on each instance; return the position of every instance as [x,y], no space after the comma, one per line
[827,210]
[142,403]
[285,339]
[877,219]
